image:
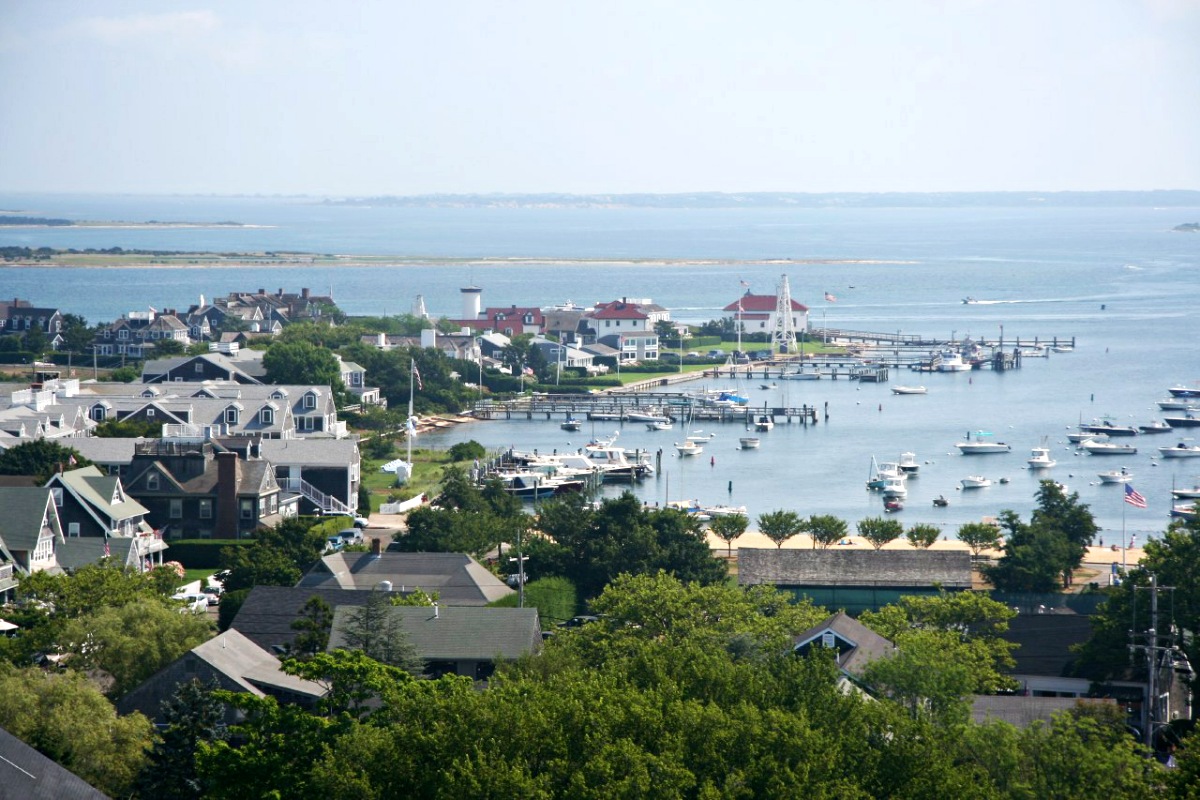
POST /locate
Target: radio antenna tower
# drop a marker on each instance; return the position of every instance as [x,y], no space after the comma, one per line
[783,330]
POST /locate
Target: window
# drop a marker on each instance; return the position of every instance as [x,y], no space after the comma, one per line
[57,492]
[176,509]
[247,509]
[149,412]
[199,366]
[123,333]
[45,549]
[231,415]
[266,416]
[310,400]
[152,481]
[206,509]
[72,529]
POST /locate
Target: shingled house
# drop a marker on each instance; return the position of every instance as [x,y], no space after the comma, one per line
[854,645]
[855,580]
[457,578]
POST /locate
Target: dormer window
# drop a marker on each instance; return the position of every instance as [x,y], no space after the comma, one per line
[152,482]
[231,415]
[149,412]
[266,416]
[310,400]
[58,495]
[199,366]
[99,413]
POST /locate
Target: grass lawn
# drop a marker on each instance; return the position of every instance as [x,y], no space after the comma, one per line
[190,575]
[428,468]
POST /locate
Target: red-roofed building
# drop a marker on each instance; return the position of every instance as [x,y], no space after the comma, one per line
[510,321]
[756,313]
[627,326]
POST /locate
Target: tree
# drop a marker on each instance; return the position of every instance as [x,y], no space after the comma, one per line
[466,451]
[879,531]
[128,429]
[133,641]
[278,556]
[379,633]
[77,334]
[169,347]
[922,535]
[40,458]
[729,527]
[979,536]
[70,721]
[825,529]
[192,715]
[303,363]
[1068,519]
[1034,557]
[316,618]
[780,525]
[35,341]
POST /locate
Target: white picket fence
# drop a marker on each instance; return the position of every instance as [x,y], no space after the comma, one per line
[402,506]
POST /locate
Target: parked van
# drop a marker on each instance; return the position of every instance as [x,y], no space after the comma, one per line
[197,602]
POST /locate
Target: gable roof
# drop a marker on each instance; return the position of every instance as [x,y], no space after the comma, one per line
[456,577]
[25,509]
[1044,642]
[266,615]
[26,773]
[950,569]
[101,493]
[857,644]
[618,309]
[251,667]
[458,633]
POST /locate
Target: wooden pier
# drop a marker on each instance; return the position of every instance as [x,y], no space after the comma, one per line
[617,408]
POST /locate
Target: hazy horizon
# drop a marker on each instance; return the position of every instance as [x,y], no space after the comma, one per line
[534,97]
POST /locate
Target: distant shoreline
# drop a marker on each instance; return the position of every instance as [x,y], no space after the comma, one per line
[290,260]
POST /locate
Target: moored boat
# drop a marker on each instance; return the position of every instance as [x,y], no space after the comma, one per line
[892,504]
[977,448]
[975,482]
[571,424]
[1187,494]
[689,448]
[1188,420]
[749,442]
[1156,426]
[1099,448]
[1181,450]
[908,464]
[894,487]
[763,422]
[1115,476]
[1184,391]
[1040,458]
[908,390]
[1108,428]
[661,425]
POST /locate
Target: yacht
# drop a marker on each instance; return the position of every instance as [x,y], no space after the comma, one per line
[1107,428]
[950,361]
[908,464]
[908,390]
[976,482]
[1184,391]
[1188,420]
[763,422]
[689,448]
[1156,426]
[894,487]
[1039,458]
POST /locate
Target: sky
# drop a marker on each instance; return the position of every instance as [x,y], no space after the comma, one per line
[402,97]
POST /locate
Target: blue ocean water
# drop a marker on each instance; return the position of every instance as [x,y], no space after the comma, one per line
[1119,280]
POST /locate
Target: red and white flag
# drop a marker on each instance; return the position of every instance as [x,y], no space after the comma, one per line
[830,298]
[107,552]
[744,284]
[1133,497]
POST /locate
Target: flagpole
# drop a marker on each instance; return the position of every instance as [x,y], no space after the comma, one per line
[412,369]
[1123,548]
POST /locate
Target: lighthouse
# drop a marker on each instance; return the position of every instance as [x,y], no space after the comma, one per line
[471,296]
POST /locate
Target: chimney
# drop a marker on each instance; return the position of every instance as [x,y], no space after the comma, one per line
[376,546]
[304,293]
[435,609]
[262,291]
[227,499]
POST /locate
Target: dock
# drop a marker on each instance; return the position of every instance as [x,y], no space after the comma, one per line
[617,407]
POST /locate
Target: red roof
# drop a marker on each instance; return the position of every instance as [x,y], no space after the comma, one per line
[760,302]
[618,309]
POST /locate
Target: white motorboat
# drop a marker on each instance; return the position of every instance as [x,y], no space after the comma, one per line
[1077,438]
[1040,458]
[894,487]
[689,448]
[1180,450]
[571,424]
[763,422]
[950,361]
[1187,494]
[749,442]
[700,436]
[661,425]
[1156,426]
[1098,448]
[1184,511]
[1107,428]
[882,473]
[977,447]
[908,464]
[1184,391]
[645,416]
[1175,404]
[908,390]
[725,511]
[1115,476]
[1063,348]
[975,482]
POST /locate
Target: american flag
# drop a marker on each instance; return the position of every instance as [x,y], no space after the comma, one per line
[107,552]
[1133,498]
[830,298]
[744,284]
[417,376]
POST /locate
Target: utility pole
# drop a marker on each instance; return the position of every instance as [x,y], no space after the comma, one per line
[1155,656]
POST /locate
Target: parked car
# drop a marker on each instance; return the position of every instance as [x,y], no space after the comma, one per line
[213,593]
[334,543]
[196,602]
[351,536]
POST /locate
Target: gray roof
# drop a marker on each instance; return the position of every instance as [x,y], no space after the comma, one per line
[902,568]
[26,773]
[459,633]
[311,452]
[1022,711]
[1044,642]
[250,666]
[105,451]
[859,644]
[24,512]
[266,615]
[457,578]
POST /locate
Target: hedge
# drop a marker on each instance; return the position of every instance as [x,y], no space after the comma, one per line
[202,553]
